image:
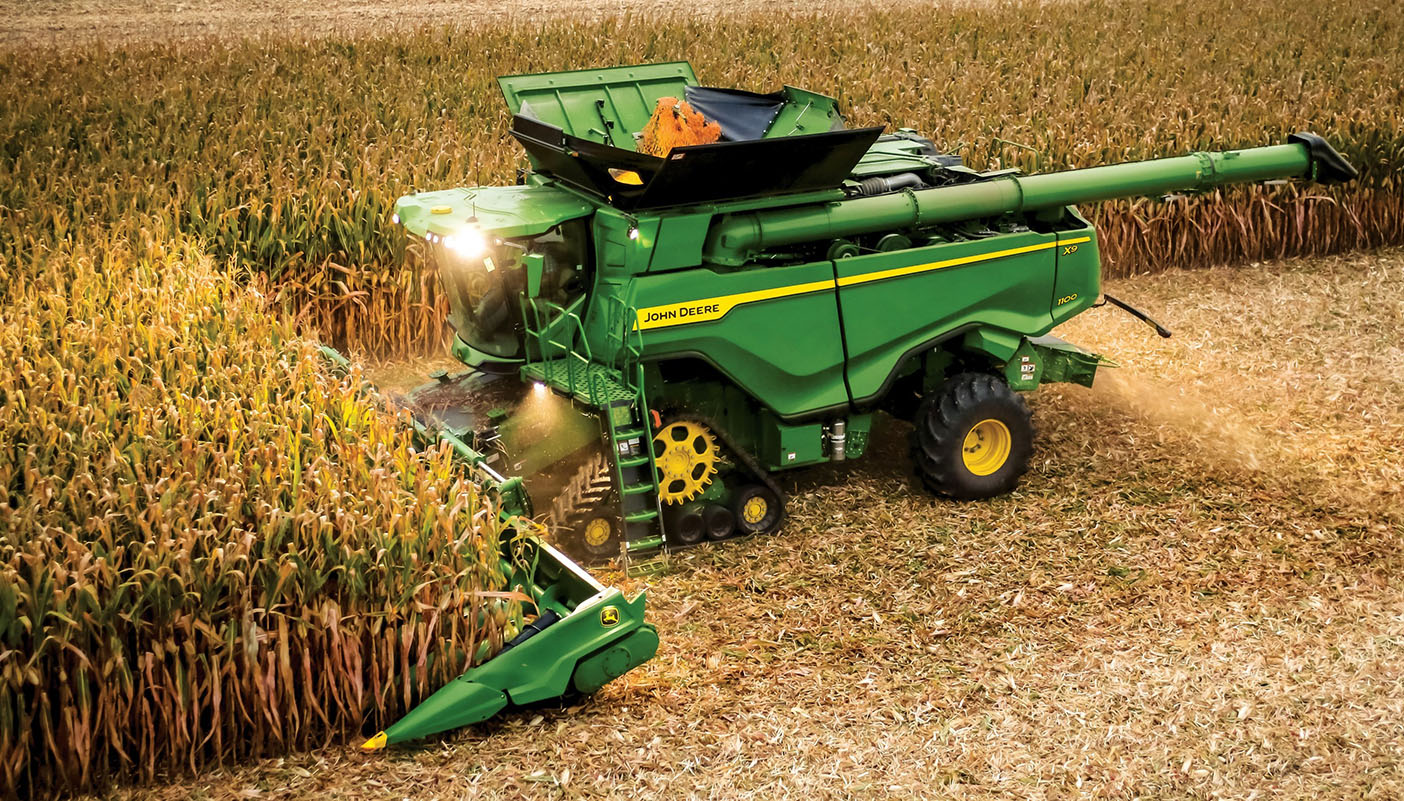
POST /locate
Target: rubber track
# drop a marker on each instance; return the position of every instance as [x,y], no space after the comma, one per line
[586,491]
[745,459]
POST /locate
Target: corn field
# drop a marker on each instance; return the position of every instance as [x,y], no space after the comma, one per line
[210,548]
[287,156]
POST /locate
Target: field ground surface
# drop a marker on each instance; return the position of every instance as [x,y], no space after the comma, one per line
[50,22]
[1196,592]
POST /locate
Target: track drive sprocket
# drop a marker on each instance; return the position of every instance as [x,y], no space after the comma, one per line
[687,455]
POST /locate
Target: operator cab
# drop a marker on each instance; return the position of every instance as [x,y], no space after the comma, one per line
[494,246]
[486,286]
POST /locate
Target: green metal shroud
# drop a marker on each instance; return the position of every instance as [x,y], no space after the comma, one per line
[588,635]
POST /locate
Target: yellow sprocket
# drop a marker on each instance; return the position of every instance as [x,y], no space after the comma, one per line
[686,454]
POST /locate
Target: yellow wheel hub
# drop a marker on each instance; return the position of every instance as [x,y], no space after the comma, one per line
[986,447]
[597,532]
[686,455]
[754,509]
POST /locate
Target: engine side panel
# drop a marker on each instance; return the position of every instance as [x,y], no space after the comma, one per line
[774,331]
[1079,280]
[894,302]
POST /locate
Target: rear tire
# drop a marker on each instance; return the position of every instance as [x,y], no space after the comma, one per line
[718,522]
[972,437]
[687,526]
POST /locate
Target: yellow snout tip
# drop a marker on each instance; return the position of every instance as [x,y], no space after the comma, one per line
[375,743]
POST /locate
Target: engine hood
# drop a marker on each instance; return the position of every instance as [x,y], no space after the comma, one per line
[502,211]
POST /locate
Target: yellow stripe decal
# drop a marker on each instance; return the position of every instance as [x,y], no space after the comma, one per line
[709,309]
[898,272]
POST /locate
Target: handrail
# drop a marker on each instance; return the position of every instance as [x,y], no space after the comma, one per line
[622,332]
[538,330]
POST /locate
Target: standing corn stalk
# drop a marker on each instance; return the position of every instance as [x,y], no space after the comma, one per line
[209,548]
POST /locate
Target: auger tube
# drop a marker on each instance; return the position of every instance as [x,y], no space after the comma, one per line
[734,239]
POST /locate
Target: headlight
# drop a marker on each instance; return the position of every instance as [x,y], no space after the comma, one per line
[470,244]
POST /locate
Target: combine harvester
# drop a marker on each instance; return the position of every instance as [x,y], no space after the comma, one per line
[653,329]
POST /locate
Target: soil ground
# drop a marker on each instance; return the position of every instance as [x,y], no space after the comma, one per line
[1196,592]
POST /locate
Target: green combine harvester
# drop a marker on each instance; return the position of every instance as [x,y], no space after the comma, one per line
[650,339]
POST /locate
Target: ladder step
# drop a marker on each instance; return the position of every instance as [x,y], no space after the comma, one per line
[635,489]
[645,544]
[633,461]
[641,517]
[629,433]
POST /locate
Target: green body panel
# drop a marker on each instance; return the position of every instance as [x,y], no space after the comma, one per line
[804,112]
[468,354]
[1004,283]
[505,211]
[612,661]
[1078,279]
[685,234]
[792,445]
[785,349]
[597,103]
[893,155]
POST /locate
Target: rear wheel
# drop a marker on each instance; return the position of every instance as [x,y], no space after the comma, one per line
[598,534]
[972,437]
[687,526]
[718,522]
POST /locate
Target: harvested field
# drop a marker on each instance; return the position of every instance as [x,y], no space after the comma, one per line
[1196,592]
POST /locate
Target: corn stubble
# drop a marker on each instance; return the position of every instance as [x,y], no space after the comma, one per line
[288,155]
[210,548]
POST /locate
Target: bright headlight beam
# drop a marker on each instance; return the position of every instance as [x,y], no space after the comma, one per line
[469,243]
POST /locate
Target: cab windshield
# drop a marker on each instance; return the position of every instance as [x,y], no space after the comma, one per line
[486,292]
